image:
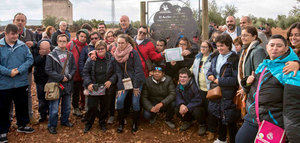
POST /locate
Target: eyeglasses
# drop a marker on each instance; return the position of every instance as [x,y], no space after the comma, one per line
[158,69]
[296,35]
[95,38]
[62,41]
[202,47]
[141,32]
[245,35]
[181,44]
[100,49]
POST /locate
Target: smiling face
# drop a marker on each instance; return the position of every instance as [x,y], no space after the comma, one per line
[142,33]
[124,22]
[158,75]
[101,51]
[230,22]
[204,48]
[62,42]
[276,48]
[294,37]
[11,37]
[160,46]
[184,79]
[246,37]
[122,44]
[94,38]
[222,48]
[82,37]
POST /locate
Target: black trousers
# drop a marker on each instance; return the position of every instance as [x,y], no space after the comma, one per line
[169,109]
[112,99]
[20,98]
[198,113]
[93,104]
[43,103]
[77,94]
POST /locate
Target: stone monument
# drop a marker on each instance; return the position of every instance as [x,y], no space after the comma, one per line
[58,8]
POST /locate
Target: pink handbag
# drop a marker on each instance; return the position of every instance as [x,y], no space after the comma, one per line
[267,132]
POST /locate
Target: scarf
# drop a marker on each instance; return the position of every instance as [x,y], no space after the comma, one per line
[123,55]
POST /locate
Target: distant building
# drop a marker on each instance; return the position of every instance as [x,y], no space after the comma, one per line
[58,8]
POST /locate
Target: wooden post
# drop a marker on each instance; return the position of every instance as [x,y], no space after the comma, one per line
[204,20]
[143,13]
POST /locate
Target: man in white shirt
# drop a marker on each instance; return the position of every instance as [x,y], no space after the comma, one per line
[233,30]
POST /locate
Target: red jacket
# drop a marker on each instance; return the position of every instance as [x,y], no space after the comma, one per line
[76,55]
[148,51]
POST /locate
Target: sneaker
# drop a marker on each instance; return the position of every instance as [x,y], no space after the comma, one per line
[170,124]
[111,120]
[77,112]
[52,130]
[125,122]
[202,130]
[218,141]
[210,136]
[25,130]
[67,124]
[3,138]
[185,125]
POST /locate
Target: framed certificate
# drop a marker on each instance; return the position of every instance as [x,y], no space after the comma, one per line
[173,54]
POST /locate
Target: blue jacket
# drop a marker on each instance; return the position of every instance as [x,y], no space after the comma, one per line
[17,57]
[196,70]
[188,95]
[84,56]
[279,98]
[224,108]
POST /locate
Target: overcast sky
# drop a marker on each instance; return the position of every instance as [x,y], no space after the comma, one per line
[101,9]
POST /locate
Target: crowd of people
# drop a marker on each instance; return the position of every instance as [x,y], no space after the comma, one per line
[100,72]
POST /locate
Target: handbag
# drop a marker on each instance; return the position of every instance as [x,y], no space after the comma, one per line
[215,90]
[127,81]
[51,89]
[148,62]
[267,132]
[99,90]
[239,101]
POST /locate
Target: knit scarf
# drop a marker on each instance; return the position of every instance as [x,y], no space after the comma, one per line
[122,55]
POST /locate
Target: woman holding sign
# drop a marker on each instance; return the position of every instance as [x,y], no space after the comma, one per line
[130,75]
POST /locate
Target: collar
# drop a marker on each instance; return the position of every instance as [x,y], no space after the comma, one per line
[162,80]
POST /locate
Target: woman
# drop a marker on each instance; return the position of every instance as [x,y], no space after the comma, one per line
[173,67]
[279,100]
[223,72]
[199,69]
[128,68]
[48,33]
[96,74]
[293,39]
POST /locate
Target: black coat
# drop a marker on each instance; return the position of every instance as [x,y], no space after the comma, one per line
[134,70]
[53,69]
[224,108]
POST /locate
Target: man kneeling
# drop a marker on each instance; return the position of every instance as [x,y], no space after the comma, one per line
[158,95]
[189,102]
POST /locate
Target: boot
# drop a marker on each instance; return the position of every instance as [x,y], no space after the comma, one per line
[121,120]
[136,117]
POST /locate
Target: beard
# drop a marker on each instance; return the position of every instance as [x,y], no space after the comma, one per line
[231,26]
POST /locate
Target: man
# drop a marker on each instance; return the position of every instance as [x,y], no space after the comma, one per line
[126,27]
[146,49]
[232,29]
[246,21]
[53,68]
[14,81]
[189,104]
[76,46]
[40,76]
[26,36]
[158,95]
[102,30]
[62,30]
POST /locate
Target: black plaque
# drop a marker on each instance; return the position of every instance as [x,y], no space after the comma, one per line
[171,21]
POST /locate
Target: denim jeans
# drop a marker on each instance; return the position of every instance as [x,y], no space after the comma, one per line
[246,133]
[65,110]
[135,100]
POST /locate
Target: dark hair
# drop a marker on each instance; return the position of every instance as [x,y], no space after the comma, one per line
[86,26]
[93,33]
[185,71]
[19,13]
[164,41]
[145,27]
[293,26]
[252,30]
[210,47]
[117,33]
[63,35]
[225,39]
[189,45]
[102,24]
[11,28]
[238,40]
[127,39]
[277,36]
[48,31]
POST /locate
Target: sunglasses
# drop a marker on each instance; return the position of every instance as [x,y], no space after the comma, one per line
[158,69]
[100,49]
[94,38]
[141,32]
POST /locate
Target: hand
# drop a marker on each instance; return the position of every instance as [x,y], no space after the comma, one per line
[251,78]
[158,106]
[291,66]
[14,72]
[107,84]
[211,78]
[153,109]
[136,91]
[92,55]
[29,44]
[216,81]
[90,87]
[65,79]
[185,53]
[173,63]
[183,109]
[240,92]
[163,52]
[120,92]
